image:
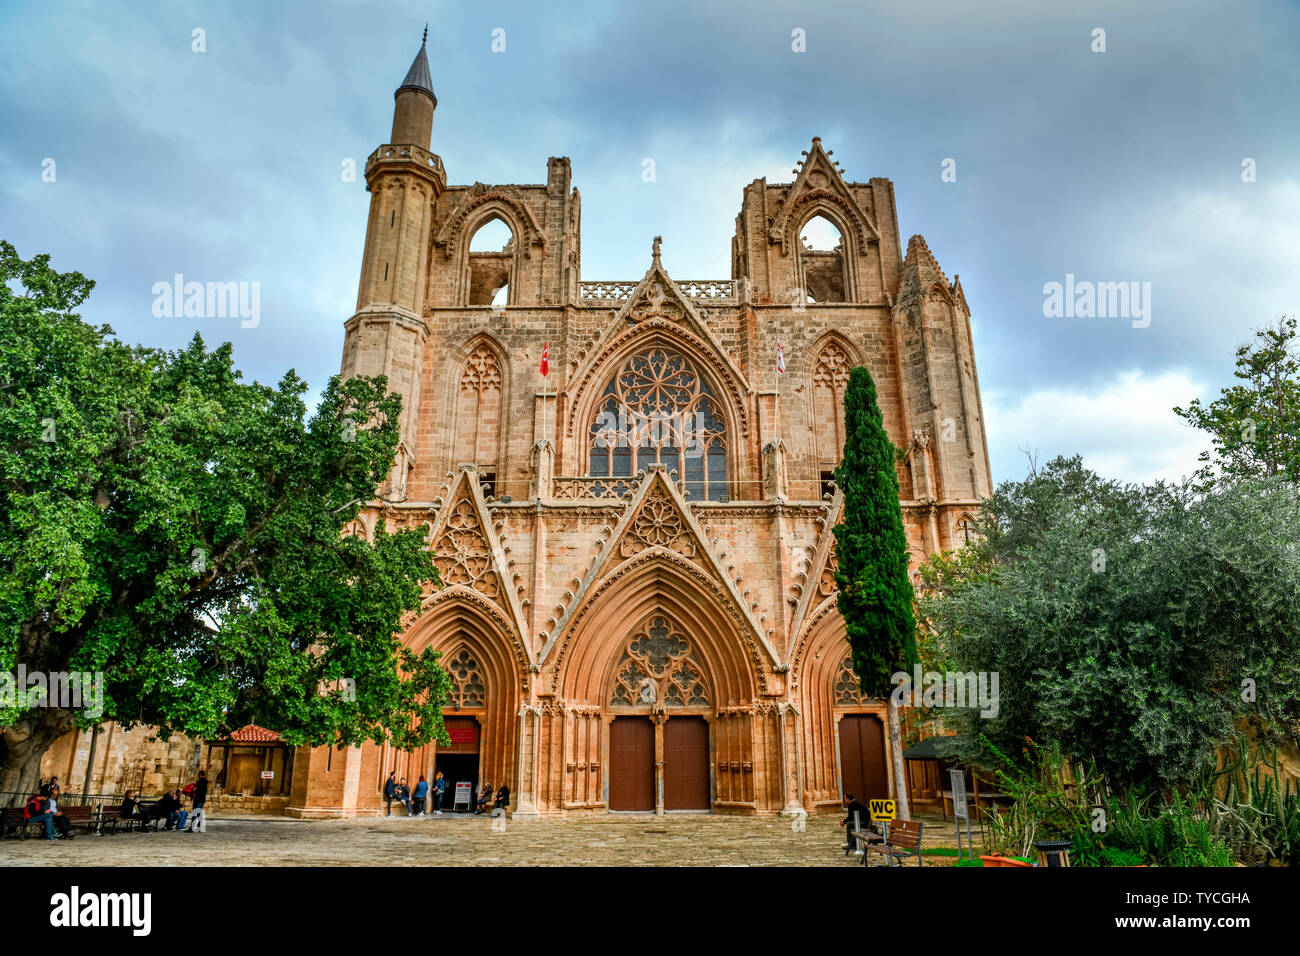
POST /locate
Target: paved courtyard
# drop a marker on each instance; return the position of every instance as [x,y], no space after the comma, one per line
[615,840]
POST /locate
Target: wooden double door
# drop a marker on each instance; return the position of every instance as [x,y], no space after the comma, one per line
[632,783]
[862,757]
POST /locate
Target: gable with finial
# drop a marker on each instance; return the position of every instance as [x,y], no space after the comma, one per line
[470,557]
[658,526]
[820,187]
[658,304]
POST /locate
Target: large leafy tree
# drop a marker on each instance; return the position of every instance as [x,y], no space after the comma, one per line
[875,593]
[178,530]
[1255,425]
[1139,626]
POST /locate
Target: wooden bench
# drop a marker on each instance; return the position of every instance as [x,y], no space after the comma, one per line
[80,817]
[13,823]
[903,840]
[148,817]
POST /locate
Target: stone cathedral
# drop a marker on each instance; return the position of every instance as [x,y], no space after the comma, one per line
[638,603]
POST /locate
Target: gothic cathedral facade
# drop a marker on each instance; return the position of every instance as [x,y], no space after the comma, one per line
[638,602]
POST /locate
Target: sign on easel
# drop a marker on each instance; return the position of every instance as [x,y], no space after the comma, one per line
[960,810]
[464,794]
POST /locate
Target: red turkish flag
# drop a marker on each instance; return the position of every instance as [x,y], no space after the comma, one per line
[546,367]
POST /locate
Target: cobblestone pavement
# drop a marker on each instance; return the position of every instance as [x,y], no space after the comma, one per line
[613,840]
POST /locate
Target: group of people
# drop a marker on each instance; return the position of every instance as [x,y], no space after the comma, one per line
[43,808]
[501,802]
[171,808]
[415,801]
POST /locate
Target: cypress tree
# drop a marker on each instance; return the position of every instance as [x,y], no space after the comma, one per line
[875,593]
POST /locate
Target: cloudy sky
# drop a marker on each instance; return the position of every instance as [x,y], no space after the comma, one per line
[1116,166]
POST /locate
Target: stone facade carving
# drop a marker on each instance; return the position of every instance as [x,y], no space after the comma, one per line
[554,585]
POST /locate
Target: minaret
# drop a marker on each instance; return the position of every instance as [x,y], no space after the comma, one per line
[386,335]
[413,114]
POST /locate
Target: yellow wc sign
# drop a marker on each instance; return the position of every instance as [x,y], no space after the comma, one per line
[881,810]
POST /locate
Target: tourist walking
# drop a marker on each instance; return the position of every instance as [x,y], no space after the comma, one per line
[199,815]
[439,791]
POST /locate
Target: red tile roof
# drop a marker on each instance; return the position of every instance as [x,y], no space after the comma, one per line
[253,734]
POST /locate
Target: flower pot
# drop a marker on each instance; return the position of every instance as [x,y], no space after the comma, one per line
[997,860]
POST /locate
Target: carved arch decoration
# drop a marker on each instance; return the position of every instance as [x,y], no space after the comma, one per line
[716,373]
[828,687]
[657,409]
[657,529]
[471,559]
[843,213]
[499,650]
[482,204]
[460,622]
[658,667]
[657,583]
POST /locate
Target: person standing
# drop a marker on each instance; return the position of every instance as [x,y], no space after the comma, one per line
[419,797]
[439,791]
[390,787]
[199,816]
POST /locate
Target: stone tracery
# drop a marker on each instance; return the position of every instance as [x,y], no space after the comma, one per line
[657,666]
[658,410]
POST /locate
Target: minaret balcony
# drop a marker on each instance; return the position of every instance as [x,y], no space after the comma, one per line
[407,158]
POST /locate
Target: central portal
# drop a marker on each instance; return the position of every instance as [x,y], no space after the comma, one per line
[632,764]
[686,764]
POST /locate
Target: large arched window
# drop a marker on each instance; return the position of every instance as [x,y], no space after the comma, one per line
[821,261]
[491,256]
[657,409]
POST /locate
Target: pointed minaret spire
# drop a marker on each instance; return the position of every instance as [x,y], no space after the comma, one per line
[413,114]
[417,77]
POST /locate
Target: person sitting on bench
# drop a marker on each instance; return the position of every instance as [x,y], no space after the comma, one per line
[61,822]
[483,797]
[37,810]
[130,806]
[168,808]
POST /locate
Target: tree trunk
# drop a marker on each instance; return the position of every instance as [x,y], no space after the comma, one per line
[22,745]
[896,748]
